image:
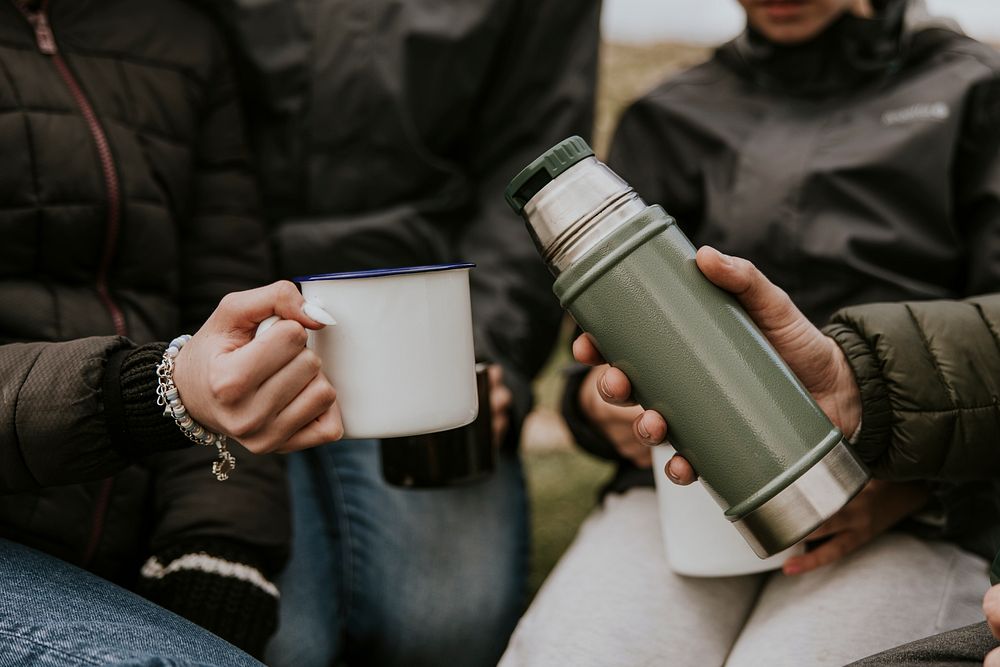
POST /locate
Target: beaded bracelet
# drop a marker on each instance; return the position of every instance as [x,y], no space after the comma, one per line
[169,399]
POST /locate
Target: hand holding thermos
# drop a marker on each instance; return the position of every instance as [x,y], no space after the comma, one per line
[816,359]
[821,366]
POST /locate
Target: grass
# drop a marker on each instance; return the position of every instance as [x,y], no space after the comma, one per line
[563,482]
[563,486]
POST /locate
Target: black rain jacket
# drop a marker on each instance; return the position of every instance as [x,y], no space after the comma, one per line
[388,130]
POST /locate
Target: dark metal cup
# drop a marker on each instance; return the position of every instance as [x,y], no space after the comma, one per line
[457,456]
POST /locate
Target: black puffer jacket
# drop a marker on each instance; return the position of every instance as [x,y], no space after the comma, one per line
[862,166]
[127,210]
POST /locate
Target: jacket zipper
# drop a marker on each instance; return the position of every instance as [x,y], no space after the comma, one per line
[45,39]
[39,20]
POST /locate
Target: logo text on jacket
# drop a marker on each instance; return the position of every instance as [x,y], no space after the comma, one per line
[926,111]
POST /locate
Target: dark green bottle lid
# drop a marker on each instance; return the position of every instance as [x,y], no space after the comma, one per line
[543,169]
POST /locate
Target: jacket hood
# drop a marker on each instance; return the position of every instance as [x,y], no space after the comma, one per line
[850,52]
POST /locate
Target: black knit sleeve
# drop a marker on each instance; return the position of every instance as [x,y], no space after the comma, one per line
[222,585]
[136,424]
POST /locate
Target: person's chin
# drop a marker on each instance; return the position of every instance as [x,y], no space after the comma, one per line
[788,31]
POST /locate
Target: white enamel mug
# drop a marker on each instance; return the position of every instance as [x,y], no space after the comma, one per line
[401,355]
[699,540]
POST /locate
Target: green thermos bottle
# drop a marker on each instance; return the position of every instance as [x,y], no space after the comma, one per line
[627,274]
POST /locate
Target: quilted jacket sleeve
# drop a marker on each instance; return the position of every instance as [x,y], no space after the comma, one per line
[77,411]
[929,375]
[52,425]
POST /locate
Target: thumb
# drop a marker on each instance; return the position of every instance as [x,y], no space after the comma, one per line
[768,305]
[243,311]
[733,274]
[585,351]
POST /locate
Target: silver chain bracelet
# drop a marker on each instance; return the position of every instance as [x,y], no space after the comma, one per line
[169,399]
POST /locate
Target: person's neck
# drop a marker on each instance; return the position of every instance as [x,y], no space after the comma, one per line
[853,49]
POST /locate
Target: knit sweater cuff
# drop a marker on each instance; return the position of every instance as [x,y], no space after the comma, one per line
[135,422]
[875,434]
[219,585]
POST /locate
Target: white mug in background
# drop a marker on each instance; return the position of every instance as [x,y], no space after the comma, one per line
[401,354]
[698,539]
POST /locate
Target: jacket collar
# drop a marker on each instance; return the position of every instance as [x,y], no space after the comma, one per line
[852,51]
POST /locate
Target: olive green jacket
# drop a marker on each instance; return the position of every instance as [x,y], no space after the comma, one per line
[929,374]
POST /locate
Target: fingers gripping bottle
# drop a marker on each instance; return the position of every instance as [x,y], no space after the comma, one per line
[627,274]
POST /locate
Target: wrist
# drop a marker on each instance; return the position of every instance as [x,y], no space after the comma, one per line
[875,437]
[169,398]
[135,422]
[838,392]
[848,394]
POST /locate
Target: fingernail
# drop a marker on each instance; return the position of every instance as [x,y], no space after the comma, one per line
[317,314]
[643,431]
[602,383]
[725,259]
[670,473]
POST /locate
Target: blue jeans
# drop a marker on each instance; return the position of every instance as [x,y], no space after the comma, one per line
[52,613]
[388,576]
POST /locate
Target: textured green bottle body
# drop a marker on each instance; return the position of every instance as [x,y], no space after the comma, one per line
[733,407]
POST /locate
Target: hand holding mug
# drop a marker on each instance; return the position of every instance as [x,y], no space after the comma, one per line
[267,392]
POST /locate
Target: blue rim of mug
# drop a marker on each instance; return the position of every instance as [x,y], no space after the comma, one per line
[375,273]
